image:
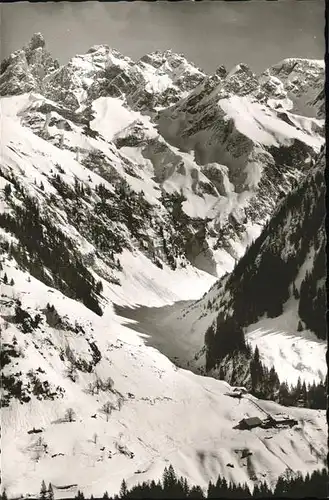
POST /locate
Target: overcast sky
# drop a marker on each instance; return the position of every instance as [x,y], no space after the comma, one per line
[258,33]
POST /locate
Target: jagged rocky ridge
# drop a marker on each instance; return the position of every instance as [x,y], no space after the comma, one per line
[230,178]
[25,70]
[157,79]
[226,122]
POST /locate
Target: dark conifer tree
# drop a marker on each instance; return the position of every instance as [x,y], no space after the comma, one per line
[7,191]
[50,493]
[4,495]
[43,491]
[195,492]
[123,489]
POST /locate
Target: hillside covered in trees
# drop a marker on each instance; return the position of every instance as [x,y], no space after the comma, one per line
[286,263]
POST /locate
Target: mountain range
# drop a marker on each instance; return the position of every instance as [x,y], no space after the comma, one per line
[155,221]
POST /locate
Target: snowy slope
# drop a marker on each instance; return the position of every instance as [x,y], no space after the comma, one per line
[151,166]
[94,453]
[293,354]
[32,158]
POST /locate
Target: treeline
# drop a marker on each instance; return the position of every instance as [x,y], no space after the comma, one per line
[312,305]
[314,485]
[264,383]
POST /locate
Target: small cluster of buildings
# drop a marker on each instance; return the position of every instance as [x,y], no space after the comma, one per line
[269,421]
[277,420]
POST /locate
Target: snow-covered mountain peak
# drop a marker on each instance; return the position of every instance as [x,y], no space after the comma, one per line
[156,80]
[230,119]
[298,64]
[25,69]
[248,124]
[240,80]
[240,68]
[102,57]
[302,81]
[37,40]
[168,59]
[221,71]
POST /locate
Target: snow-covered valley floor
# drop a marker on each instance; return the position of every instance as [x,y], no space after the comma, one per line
[163,330]
[180,337]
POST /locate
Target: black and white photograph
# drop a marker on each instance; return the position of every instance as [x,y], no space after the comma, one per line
[163,250]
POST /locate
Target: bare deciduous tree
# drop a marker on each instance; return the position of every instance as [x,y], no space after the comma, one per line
[39,449]
[107,409]
[100,385]
[109,384]
[91,388]
[72,373]
[70,415]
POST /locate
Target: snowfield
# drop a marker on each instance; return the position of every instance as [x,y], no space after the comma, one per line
[112,116]
[261,125]
[292,353]
[143,283]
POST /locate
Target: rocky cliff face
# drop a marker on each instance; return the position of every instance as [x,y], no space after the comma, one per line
[300,81]
[218,140]
[156,80]
[231,120]
[25,70]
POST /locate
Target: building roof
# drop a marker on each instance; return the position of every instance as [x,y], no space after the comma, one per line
[252,420]
[239,389]
[234,393]
[282,416]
